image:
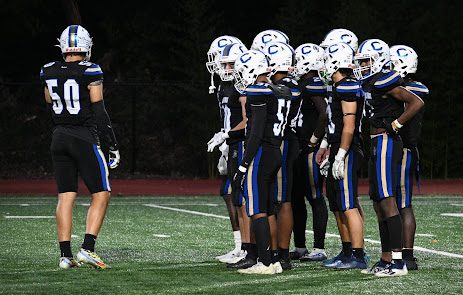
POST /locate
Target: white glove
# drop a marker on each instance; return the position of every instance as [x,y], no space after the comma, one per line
[217,139]
[114,159]
[222,165]
[338,165]
[224,149]
[324,167]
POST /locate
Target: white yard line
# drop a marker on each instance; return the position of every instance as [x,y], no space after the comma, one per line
[452,214]
[161,236]
[456,205]
[27,217]
[448,254]
[424,235]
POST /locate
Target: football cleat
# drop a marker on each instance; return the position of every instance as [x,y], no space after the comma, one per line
[227,255]
[395,269]
[236,257]
[353,263]
[411,263]
[333,259]
[242,264]
[285,264]
[259,269]
[278,267]
[295,254]
[315,255]
[377,267]
[89,257]
[68,262]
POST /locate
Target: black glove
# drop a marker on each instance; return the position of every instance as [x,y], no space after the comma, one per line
[388,126]
[238,179]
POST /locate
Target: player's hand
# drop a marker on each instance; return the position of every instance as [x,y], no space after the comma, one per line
[216,140]
[238,178]
[338,165]
[222,165]
[324,167]
[223,148]
[322,154]
[114,158]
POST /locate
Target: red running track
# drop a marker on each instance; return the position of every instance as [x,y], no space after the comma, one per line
[191,187]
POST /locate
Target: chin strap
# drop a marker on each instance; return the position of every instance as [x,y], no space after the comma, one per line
[212,87]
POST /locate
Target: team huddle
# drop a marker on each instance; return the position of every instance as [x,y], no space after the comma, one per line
[292,123]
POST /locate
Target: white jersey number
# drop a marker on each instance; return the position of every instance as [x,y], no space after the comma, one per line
[71,96]
[282,115]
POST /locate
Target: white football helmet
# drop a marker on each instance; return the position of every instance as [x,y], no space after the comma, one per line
[340,35]
[308,57]
[280,57]
[404,59]
[229,55]
[377,52]
[337,56]
[76,39]
[249,66]
[215,50]
[268,36]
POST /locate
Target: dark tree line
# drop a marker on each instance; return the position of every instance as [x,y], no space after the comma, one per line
[156,84]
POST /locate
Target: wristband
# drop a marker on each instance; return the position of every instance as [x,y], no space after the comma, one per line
[313,140]
[397,124]
[324,144]
[341,154]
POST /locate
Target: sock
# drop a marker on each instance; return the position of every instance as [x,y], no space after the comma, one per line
[245,246]
[89,242]
[252,251]
[358,253]
[301,250]
[284,254]
[394,226]
[275,256]
[65,247]
[262,235]
[384,236]
[397,255]
[407,254]
[347,248]
[319,220]
[300,221]
[237,239]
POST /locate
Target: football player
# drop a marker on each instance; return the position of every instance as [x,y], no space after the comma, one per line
[345,108]
[340,35]
[281,59]
[308,182]
[267,106]
[74,94]
[267,36]
[225,93]
[405,61]
[384,107]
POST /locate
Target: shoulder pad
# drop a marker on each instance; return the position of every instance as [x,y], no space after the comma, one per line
[258,89]
[316,85]
[417,87]
[281,91]
[348,85]
[387,78]
[290,81]
[49,64]
[92,69]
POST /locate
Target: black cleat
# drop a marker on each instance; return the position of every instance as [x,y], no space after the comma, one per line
[286,264]
[411,264]
[296,255]
[242,264]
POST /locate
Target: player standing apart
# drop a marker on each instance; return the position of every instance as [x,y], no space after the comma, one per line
[74,94]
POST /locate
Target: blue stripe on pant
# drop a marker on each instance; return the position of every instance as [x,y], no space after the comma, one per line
[404,190]
[316,176]
[251,189]
[346,184]
[103,167]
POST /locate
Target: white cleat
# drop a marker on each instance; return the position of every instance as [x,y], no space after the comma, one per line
[236,257]
[68,262]
[227,255]
[259,269]
[395,269]
[277,267]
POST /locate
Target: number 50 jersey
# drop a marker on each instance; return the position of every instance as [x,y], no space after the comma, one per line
[67,83]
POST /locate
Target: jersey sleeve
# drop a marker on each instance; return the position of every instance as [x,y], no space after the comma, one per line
[315,88]
[257,94]
[417,88]
[348,90]
[93,73]
[388,81]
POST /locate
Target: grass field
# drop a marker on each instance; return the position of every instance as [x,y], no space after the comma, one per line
[159,250]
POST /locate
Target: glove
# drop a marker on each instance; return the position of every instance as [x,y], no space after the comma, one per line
[238,178]
[224,149]
[222,165]
[338,165]
[217,139]
[114,158]
[325,167]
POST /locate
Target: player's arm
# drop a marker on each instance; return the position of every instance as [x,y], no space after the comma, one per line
[414,104]
[47,95]
[259,117]
[349,110]
[238,130]
[320,105]
[101,116]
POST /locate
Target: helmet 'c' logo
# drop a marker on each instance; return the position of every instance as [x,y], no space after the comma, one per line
[245,58]
[306,50]
[222,43]
[376,46]
[266,38]
[273,49]
[333,49]
[346,38]
[402,52]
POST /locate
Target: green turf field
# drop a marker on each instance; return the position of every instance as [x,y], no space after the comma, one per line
[154,250]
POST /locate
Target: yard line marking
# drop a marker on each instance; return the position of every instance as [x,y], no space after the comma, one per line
[456,204]
[453,214]
[327,234]
[27,217]
[74,236]
[424,235]
[161,236]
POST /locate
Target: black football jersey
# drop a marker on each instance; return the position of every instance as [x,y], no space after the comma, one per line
[380,108]
[411,131]
[348,89]
[230,106]
[277,99]
[294,109]
[308,116]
